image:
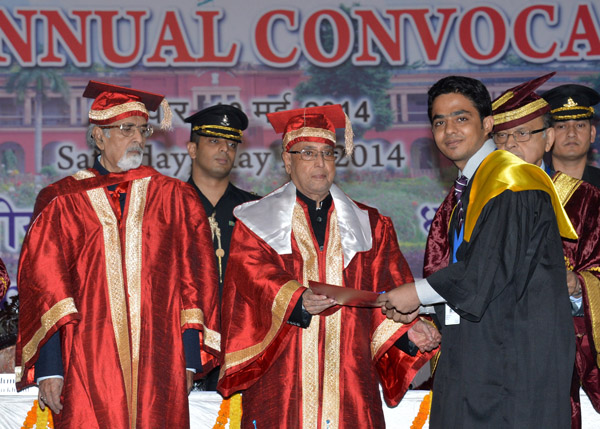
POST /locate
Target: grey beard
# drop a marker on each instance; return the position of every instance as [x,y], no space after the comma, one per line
[129,161]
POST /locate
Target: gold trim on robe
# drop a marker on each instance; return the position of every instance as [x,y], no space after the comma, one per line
[196,316]
[592,286]
[280,305]
[310,336]
[59,310]
[192,315]
[330,418]
[382,334]
[565,186]
[133,264]
[116,283]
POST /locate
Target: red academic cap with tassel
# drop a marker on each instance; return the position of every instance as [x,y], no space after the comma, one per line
[520,104]
[312,124]
[113,103]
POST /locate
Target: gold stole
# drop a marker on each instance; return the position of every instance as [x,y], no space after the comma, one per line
[123,322]
[310,336]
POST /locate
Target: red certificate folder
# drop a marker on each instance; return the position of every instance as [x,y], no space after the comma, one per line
[345,295]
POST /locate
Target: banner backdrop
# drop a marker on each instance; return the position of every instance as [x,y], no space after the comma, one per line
[376,58]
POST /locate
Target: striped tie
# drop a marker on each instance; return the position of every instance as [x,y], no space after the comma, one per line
[459,186]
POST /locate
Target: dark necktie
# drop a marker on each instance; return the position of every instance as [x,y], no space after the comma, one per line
[459,186]
[116,195]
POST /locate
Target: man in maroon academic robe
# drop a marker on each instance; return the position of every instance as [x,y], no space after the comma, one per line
[517,134]
[117,282]
[301,360]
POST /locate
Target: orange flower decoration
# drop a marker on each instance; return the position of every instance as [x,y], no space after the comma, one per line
[230,411]
[423,413]
[38,418]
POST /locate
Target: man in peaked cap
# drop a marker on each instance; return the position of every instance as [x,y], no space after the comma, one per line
[516,133]
[494,272]
[215,135]
[302,360]
[572,109]
[117,282]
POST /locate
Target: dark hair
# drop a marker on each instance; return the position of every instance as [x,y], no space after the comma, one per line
[548,121]
[471,88]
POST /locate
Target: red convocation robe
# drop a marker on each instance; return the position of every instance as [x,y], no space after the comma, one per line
[581,201]
[328,375]
[121,293]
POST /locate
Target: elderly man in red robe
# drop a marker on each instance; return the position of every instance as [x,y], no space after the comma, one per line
[117,282]
[518,133]
[302,360]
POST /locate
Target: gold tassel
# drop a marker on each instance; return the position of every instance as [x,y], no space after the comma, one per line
[348,137]
[165,124]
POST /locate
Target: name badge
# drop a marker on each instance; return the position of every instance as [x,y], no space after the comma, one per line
[452,317]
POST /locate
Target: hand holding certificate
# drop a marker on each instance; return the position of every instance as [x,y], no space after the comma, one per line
[345,296]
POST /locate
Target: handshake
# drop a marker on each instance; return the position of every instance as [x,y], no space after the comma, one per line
[402,305]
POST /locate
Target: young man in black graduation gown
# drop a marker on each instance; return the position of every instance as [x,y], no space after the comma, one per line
[496,276]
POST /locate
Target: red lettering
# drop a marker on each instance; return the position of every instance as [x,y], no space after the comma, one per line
[522,37]
[172,39]
[74,41]
[371,30]
[432,45]
[496,34]
[342,38]
[263,38]
[19,41]
[210,56]
[108,20]
[584,43]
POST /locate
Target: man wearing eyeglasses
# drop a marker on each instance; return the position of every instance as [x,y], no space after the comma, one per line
[215,135]
[530,137]
[117,283]
[300,359]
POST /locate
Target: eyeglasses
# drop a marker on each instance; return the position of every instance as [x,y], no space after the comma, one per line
[311,154]
[127,130]
[519,136]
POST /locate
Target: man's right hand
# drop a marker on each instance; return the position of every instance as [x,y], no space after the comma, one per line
[425,336]
[314,303]
[49,394]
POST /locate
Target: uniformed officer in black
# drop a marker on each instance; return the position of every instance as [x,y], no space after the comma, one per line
[215,134]
[572,110]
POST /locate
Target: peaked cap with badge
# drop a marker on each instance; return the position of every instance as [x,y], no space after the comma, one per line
[222,121]
[571,102]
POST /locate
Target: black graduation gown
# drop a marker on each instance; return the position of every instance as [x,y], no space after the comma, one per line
[508,364]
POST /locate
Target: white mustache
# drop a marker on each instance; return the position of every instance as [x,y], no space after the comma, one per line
[135,149]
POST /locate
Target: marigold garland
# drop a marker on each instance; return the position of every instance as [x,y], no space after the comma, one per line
[235,411]
[38,418]
[423,413]
[230,411]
